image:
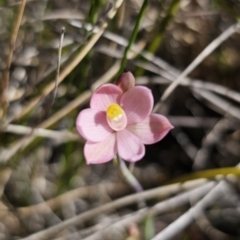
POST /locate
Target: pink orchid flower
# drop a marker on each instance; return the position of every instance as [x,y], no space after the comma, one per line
[119,120]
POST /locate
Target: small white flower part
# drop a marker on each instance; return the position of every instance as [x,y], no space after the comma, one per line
[117,118]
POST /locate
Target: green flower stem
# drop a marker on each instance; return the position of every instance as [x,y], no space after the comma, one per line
[160,30]
[133,36]
[94,11]
[129,177]
[131,180]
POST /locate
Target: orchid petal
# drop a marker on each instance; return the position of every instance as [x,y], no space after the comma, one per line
[92,125]
[153,129]
[137,103]
[101,152]
[104,96]
[130,148]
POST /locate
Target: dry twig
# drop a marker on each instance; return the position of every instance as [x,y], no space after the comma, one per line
[187,218]
[6,72]
[206,52]
[161,192]
[72,64]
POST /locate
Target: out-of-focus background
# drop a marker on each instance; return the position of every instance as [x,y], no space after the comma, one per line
[47,190]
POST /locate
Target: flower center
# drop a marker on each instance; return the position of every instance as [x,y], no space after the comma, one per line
[116,117]
[114,112]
